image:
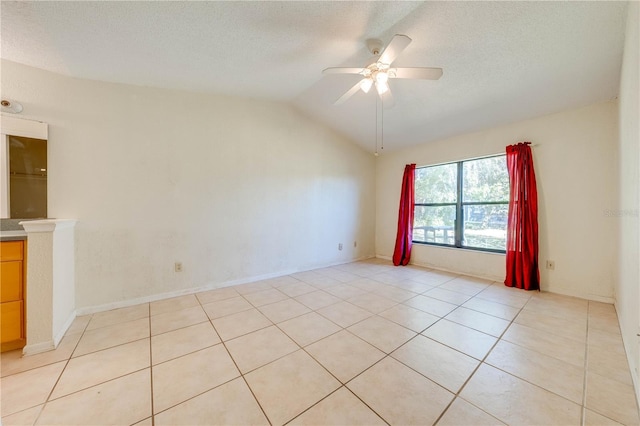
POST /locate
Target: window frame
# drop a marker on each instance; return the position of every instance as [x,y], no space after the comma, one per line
[459,207]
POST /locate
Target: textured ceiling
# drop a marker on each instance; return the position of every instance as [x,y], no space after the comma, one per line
[502,61]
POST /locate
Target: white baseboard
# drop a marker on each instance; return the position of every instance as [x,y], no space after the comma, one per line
[60,334]
[168,295]
[435,268]
[451,271]
[628,348]
[592,297]
[211,286]
[49,345]
[38,348]
[602,299]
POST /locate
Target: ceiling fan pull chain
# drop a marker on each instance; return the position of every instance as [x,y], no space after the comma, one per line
[376,123]
[381,124]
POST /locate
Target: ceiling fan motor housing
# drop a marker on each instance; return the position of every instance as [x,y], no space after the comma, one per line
[375,46]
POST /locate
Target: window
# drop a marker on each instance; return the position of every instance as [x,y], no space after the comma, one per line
[463,204]
[23,168]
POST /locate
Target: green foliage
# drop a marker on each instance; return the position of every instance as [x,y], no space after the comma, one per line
[437,184]
[434,216]
[485,179]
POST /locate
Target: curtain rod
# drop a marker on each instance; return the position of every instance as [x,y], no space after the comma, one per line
[473,158]
[532,145]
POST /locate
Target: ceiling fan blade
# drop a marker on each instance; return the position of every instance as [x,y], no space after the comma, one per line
[387,100]
[339,70]
[397,44]
[342,99]
[417,73]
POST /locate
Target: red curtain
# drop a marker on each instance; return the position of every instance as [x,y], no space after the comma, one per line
[522,224]
[402,252]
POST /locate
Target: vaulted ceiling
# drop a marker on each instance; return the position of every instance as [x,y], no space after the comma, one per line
[502,61]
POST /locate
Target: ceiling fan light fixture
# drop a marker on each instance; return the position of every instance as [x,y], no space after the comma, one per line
[382,77]
[366,84]
[382,87]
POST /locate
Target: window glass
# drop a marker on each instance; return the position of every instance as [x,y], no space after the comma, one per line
[485,226]
[474,216]
[434,224]
[437,184]
[27,177]
[485,179]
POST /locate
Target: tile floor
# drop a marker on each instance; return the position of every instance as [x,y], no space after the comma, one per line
[361,343]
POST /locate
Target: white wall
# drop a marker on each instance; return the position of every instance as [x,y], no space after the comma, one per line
[628,266]
[50,291]
[574,157]
[232,188]
[64,295]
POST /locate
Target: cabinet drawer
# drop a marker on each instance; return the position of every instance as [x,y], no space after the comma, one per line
[11,281]
[11,250]
[10,321]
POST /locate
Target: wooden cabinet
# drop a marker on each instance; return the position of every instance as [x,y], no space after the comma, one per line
[12,284]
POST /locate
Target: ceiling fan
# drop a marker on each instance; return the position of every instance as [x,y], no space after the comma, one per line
[379,71]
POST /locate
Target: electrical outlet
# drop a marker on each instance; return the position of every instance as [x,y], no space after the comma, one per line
[178,267]
[340,246]
[551,265]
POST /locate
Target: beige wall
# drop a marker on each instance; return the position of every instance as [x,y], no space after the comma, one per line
[628,266]
[574,155]
[233,188]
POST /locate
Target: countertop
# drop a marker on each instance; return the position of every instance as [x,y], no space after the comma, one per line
[11,230]
[13,235]
[12,224]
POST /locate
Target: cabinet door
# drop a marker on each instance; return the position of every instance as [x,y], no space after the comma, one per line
[11,250]
[10,321]
[10,281]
